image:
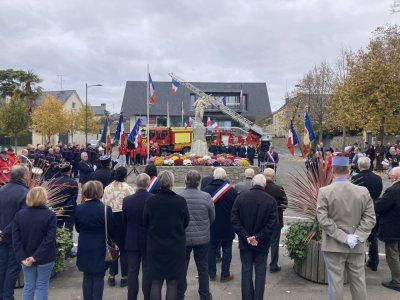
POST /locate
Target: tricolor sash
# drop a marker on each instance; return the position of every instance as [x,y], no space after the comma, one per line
[221,191]
[153,182]
[271,157]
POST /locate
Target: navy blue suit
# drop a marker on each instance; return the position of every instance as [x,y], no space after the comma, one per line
[34,234]
[135,242]
[90,224]
[12,199]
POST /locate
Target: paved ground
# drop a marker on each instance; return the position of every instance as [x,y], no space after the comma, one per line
[283,285]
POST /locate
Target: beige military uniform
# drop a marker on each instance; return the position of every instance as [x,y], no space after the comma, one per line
[344,208]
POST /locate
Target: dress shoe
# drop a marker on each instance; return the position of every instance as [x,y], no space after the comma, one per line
[124,282]
[392,285]
[213,277]
[372,267]
[275,269]
[226,278]
[111,281]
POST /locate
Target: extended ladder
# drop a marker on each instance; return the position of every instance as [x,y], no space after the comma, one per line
[214,101]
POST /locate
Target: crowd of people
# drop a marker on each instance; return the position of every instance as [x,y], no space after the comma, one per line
[157,230]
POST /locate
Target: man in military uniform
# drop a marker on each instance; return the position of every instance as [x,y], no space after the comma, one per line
[65,194]
[105,173]
[346,214]
[65,197]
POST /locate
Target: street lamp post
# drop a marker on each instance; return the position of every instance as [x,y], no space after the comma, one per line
[86,111]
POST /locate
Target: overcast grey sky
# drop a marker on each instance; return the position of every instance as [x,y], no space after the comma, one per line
[110,42]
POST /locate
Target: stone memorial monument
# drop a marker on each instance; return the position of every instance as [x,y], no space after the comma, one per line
[199,144]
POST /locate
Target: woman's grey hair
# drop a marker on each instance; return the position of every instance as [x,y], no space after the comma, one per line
[166,179]
[19,171]
[364,163]
[260,180]
[219,173]
[192,179]
[143,181]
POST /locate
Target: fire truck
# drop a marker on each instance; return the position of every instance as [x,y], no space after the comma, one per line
[170,140]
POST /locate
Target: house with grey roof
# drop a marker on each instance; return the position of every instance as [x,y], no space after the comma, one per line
[255,102]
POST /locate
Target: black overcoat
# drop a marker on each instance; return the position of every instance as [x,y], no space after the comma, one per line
[89,223]
[221,229]
[166,216]
[388,209]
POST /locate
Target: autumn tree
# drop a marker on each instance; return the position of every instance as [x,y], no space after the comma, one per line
[50,118]
[93,123]
[15,118]
[369,97]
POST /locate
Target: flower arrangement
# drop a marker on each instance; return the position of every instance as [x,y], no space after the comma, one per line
[159,161]
[302,199]
[168,162]
[178,162]
[187,162]
[178,159]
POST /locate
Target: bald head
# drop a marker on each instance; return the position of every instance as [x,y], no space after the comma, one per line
[249,173]
[269,173]
[394,174]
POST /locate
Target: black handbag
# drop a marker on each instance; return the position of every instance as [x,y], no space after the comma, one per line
[112,250]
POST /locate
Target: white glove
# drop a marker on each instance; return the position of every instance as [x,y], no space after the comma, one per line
[352,240]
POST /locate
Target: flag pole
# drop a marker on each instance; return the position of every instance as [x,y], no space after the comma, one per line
[148,113]
[168,121]
[182,114]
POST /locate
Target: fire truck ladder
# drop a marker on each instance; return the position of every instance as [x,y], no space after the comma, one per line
[214,101]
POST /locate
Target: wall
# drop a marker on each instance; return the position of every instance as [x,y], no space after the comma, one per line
[337,141]
[235,174]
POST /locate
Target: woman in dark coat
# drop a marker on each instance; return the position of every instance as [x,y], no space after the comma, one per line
[34,241]
[166,216]
[90,224]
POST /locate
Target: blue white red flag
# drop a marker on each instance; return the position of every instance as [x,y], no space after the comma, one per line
[135,131]
[209,122]
[292,138]
[152,91]
[215,126]
[309,135]
[175,86]
[120,133]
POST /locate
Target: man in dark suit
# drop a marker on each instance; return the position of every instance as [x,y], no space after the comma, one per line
[374,185]
[12,199]
[136,235]
[85,168]
[279,195]
[105,173]
[254,218]
[221,230]
[388,208]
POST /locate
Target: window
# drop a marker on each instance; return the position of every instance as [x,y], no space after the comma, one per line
[73,105]
[162,134]
[161,121]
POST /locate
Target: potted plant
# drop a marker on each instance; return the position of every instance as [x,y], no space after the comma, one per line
[303,238]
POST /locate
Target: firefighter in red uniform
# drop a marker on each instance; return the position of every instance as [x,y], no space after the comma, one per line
[5,165]
[143,154]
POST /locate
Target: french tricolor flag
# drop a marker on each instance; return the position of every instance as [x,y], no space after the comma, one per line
[215,125]
[292,138]
[120,133]
[209,122]
[152,91]
[175,86]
